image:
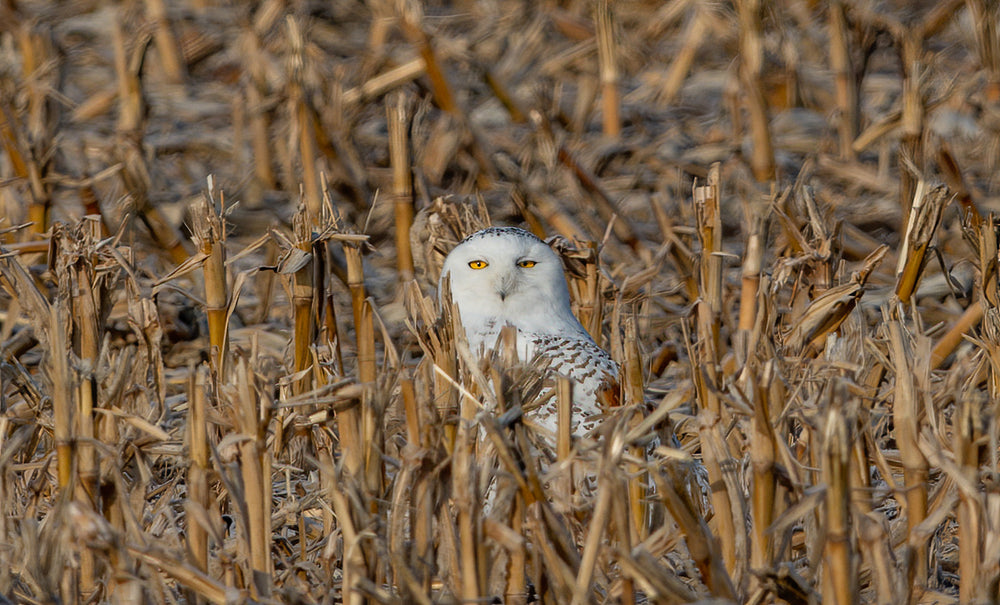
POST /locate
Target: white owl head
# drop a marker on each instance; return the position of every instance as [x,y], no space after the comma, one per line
[507,276]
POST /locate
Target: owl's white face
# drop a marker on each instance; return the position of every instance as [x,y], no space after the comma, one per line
[507,276]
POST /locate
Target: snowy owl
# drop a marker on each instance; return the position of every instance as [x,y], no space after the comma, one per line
[505,276]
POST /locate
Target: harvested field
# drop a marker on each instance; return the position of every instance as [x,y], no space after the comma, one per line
[224,375]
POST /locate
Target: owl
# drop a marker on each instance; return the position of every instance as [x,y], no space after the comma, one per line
[505,276]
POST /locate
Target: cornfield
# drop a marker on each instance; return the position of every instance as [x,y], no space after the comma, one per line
[225,376]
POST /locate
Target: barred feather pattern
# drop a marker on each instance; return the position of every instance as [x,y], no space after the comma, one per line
[593,372]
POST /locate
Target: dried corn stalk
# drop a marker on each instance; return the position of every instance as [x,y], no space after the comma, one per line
[925,215]
[825,314]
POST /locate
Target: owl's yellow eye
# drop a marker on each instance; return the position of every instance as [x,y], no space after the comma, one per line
[478,264]
[526,264]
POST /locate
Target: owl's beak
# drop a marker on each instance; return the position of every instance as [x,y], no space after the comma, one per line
[507,286]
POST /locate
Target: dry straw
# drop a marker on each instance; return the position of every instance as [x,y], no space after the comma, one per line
[255,395]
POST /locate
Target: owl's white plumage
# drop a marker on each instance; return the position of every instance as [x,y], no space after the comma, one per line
[505,276]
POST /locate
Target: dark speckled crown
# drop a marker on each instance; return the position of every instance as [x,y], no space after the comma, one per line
[500,231]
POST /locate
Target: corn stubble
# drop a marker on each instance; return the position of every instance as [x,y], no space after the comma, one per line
[213,408]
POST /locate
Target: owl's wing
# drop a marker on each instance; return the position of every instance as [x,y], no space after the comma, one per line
[594,373]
